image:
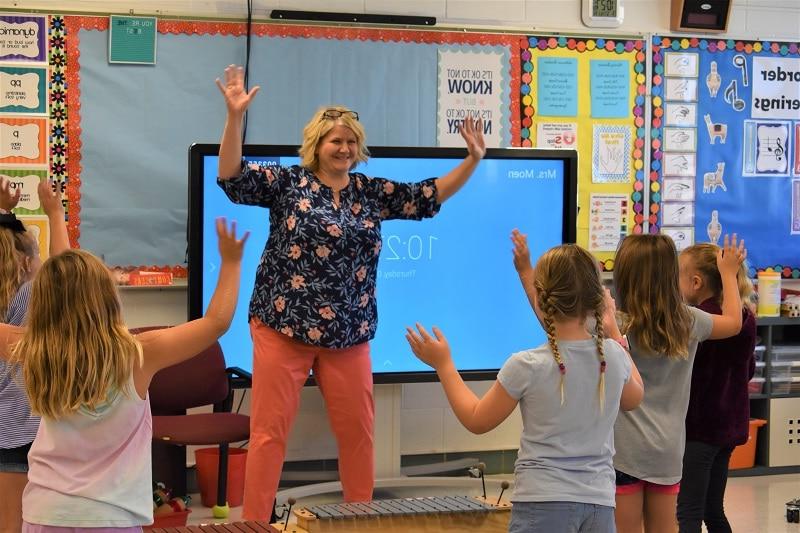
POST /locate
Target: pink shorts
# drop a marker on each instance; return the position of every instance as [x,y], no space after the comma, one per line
[627,484]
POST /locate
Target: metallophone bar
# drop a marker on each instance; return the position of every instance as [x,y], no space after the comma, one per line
[407,515]
[237,527]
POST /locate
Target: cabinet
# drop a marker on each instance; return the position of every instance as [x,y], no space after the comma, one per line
[775,397]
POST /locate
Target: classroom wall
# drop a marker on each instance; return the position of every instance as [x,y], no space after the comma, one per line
[754,19]
[424,422]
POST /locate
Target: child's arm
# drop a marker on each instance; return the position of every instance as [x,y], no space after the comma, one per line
[9,336]
[166,347]
[729,258]
[50,198]
[633,390]
[478,415]
[522,262]
[8,198]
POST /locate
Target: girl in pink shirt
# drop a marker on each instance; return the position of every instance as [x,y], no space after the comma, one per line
[87,377]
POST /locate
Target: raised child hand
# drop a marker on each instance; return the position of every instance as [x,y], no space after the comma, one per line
[522,256]
[237,99]
[50,196]
[472,132]
[731,255]
[230,248]
[434,352]
[8,198]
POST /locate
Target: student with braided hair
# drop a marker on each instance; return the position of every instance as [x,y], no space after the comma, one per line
[564,478]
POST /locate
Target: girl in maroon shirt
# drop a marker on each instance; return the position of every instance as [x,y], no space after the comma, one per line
[719,404]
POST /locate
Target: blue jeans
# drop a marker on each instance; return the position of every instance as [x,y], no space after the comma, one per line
[561,517]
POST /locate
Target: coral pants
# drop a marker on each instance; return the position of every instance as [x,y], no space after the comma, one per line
[280,368]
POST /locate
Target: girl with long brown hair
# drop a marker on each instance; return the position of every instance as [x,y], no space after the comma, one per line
[663,333]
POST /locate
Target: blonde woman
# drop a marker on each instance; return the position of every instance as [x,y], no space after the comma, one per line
[313,305]
[87,377]
[19,263]
[663,333]
[564,478]
[718,417]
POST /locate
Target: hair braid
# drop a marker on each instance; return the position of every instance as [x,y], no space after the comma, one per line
[550,330]
[599,337]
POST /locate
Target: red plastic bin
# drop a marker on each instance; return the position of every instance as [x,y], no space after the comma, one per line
[207,461]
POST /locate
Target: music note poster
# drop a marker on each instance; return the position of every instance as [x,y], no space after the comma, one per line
[766,148]
[745,171]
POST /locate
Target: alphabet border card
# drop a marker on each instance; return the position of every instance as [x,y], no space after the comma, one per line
[677,214]
[23,90]
[678,189]
[680,114]
[682,237]
[681,64]
[680,139]
[23,141]
[23,38]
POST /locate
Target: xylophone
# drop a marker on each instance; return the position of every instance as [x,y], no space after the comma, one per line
[238,527]
[409,515]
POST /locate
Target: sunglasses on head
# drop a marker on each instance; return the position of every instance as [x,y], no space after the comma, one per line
[335,113]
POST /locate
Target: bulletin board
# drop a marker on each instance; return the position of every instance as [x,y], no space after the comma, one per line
[33,139]
[116,136]
[725,146]
[589,94]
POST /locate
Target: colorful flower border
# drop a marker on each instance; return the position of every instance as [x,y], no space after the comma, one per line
[58,140]
[712,45]
[74,24]
[583,45]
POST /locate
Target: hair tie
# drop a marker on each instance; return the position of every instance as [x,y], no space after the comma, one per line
[10,221]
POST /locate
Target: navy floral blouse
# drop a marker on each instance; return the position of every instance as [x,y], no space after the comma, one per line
[316,278]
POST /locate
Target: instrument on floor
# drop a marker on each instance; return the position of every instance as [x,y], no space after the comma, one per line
[237,527]
[408,515]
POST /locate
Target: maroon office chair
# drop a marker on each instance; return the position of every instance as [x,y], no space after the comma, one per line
[201,380]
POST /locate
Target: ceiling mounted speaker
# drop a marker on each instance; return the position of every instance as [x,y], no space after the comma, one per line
[700,16]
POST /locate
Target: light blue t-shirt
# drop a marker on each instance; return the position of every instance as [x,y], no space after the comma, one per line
[566,451]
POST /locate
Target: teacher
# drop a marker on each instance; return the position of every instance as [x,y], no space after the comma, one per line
[313,305]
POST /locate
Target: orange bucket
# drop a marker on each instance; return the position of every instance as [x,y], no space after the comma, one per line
[744,456]
[207,461]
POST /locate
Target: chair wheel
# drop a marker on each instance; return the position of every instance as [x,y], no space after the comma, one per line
[221,511]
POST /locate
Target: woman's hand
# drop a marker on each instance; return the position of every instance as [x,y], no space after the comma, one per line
[472,131]
[237,99]
[434,352]
[730,256]
[522,256]
[230,248]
